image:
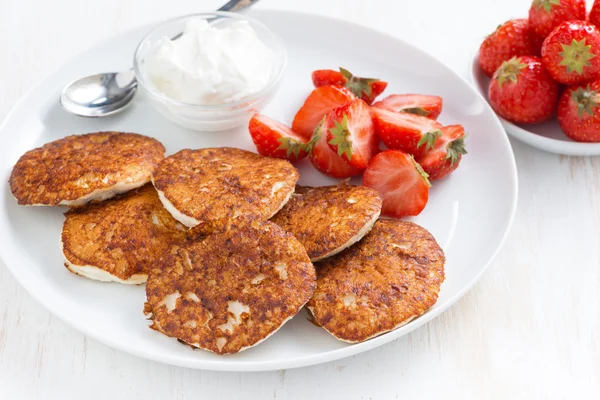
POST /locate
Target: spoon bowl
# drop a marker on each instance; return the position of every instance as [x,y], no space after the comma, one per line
[99,95]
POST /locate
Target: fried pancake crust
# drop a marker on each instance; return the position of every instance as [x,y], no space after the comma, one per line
[230,290]
[124,236]
[75,167]
[328,219]
[243,183]
[391,276]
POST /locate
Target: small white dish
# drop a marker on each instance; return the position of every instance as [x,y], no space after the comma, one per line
[213,117]
[547,136]
[469,213]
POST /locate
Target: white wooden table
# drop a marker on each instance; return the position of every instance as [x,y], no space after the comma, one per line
[529,329]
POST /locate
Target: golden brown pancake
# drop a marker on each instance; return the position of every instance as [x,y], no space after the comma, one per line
[119,240]
[328,219]
[81,168]
[231,290]
[391,276]
[201,186]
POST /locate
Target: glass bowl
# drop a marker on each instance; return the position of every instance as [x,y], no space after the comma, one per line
[213,117]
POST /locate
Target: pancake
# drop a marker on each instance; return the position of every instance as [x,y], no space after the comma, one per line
[390,277]
[231,290]
[201,186]
[81,168]
[120,239]
[328,219]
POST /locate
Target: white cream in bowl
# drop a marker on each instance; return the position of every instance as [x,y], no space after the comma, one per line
[210,63]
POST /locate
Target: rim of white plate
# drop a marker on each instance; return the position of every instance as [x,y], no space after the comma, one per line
[299,361]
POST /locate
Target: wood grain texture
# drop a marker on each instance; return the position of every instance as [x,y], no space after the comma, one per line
[530,329]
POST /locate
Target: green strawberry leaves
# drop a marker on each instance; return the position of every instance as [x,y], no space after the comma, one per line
[546,4]
[429,139]
[455,150]
[421,171]
[417,111]
[576,56]
[509,71]
[291,146]
[340,138]
[358,85]
[586,100]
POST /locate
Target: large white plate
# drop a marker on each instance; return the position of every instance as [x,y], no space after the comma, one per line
[547,136]
[469,213]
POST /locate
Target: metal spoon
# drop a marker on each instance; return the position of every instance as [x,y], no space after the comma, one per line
[109,93]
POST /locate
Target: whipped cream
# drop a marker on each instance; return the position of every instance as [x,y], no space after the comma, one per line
[210,63]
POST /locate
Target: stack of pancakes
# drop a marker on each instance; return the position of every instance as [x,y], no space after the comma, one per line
[226,240]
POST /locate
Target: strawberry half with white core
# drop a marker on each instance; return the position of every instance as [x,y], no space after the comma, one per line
[410,133]
[419,104]
[326,160]
[351,134]
[317,105]
[447,153]
[400,180]
[274,139]
[366,89]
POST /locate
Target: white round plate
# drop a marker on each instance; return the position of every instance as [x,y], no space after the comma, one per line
[469,213]
[546,136]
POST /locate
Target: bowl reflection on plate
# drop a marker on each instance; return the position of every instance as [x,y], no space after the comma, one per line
[547,136]
[213,117]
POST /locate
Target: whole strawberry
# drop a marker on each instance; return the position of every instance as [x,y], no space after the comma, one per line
[545,15]
[594,15]
[571,53]
[513,38]
[522,91]
[579,112]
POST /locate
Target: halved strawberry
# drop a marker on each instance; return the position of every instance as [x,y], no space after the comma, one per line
[366,89]
[447,153]
[317,105]
[410,133]
[326,160]
[274,139]
[400,180]
[419,104]
[351,134]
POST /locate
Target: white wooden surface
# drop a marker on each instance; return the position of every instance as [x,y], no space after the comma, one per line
[529,329]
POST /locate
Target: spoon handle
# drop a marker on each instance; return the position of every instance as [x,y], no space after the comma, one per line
[237,5]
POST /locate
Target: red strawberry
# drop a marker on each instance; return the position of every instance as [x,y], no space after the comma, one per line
[420,104]
[579,112]
[318,104]
[326,160]
[400,180]
[513,38]
[366,89]
[351,134]
[594,15]
[571,53]
[447,153]
[522,91]
[274,139]
[545,15]
[325,77]
[410,133]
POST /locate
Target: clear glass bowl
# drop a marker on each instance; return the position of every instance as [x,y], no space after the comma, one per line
[214,117]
